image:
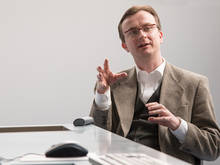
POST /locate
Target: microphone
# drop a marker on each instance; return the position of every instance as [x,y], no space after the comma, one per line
[83,121]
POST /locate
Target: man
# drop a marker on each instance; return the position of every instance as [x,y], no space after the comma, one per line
[156,103]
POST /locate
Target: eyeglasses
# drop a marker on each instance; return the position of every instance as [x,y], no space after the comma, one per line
[134,32]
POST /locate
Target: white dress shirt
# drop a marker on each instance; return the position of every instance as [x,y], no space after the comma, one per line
[148,84]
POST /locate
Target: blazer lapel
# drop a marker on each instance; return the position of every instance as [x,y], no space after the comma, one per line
[171,89]
[171,97]
[124,94]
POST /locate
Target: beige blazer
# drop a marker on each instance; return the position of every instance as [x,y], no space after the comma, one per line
[186,95]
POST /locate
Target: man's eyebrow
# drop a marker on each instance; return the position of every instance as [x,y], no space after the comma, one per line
[131,28]
[136,27]
[149,24]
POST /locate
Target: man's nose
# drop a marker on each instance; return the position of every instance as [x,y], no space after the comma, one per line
[142,34]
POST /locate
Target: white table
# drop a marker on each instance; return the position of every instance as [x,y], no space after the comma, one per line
[95,139]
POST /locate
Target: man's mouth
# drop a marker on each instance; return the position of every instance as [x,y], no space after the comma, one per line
[143,45]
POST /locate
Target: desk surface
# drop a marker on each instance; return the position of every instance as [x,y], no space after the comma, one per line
[95,139]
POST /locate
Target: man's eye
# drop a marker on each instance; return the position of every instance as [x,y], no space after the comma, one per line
[134,32]
[146,29]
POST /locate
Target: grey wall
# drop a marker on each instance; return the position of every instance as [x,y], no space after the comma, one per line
[49,51]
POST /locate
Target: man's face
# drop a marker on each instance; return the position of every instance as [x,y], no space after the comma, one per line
[142,37]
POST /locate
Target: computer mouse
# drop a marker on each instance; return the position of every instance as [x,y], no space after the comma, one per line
[66,150]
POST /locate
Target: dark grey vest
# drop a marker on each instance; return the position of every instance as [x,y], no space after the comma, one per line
[143,131]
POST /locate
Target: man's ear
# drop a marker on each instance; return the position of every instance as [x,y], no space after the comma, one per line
[161,36]
[124,46]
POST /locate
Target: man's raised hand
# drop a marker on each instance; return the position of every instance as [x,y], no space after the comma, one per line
[106,78]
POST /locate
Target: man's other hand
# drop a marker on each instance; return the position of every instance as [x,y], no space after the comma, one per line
[165,117]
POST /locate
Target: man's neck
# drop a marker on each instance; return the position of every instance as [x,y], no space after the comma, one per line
[149,63]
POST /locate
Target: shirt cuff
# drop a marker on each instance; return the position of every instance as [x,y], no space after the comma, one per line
[103,101]
[180,132]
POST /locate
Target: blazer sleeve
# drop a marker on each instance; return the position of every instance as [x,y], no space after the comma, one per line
[102,118]
[203,136]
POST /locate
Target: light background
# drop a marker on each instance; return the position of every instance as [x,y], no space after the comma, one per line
[49,51]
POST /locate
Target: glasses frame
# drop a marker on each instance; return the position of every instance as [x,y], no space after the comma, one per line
[146,28]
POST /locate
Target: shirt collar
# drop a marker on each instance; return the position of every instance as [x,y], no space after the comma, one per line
[159,69]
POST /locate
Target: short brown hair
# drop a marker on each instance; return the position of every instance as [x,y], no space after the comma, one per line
[133,10]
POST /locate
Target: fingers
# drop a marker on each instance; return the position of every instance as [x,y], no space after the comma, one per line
[106,77]
[103,78]
[106,65]
[164,116]
[102,85]
[100,70]
[155,112]
[100,76]
[120,75]
[154,106]
[160,120]
[171,122]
